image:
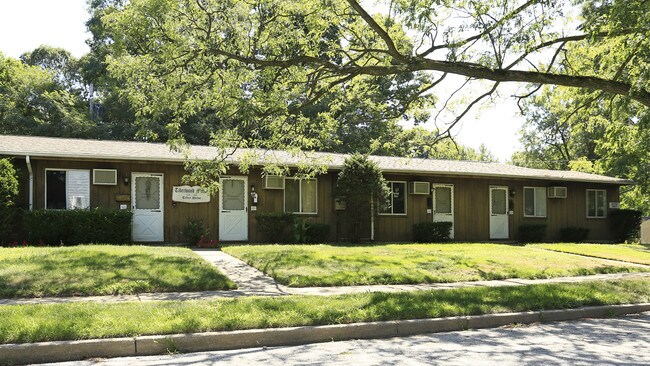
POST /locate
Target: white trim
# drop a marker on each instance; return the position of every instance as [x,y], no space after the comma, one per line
[284,197]
[391,200]
[596,207]
[534,215]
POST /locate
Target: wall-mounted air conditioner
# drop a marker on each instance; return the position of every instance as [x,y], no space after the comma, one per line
[556,192]
[419,188]
[105,177]
[274,182]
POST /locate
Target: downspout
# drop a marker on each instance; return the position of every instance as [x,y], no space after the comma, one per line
[372,220]
[31,182]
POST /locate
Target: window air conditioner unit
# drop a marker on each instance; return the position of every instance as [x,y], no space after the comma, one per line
[556,192]
[419,188]
[105,177]
[274,182]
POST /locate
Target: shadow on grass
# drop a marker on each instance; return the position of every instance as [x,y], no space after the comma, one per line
[97,272]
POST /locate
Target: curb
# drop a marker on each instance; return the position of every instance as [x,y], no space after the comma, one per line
[227,340]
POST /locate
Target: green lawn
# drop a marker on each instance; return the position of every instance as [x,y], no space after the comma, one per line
[635,253]
[103,270]
[36,323]
[327,265]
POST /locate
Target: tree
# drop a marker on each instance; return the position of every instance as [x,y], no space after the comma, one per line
[591,130]
[32,102]
[362,189]
[418,142]
[260,67]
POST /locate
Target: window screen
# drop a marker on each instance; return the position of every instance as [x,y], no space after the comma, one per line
[300,196]
[535,201]
[67,189]
[596,201]
[396,199]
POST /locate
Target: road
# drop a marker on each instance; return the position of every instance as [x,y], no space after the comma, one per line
[617,341]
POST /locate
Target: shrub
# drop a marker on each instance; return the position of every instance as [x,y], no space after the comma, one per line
[8,194]
[194,232]
[362,188]
[318,233]
[573,234]
[625,224]
[276,227]
[428,232]
[72,227]
[532,233]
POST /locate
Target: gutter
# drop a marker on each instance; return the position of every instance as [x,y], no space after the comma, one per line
[31,182]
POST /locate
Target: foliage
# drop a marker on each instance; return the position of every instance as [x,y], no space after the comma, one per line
[91,320]
[72,227]
[276,227]
[362,188]
[194,231]
[318,233]
[625,224]
[532,233]
[574,234]
[419,142]
[88,270]
[431,232]
[32,102]
[300,226]
[334,265]
[8,195]
[633,253]
[310,75]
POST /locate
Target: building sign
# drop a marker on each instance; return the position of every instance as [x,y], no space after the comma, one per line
[189,194]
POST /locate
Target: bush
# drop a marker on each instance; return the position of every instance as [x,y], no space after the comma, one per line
[8,194]
[194,232]
[72,227]
[532,233]
[276,227]
[625,224]
[318,233]
[573,234]
[429,232]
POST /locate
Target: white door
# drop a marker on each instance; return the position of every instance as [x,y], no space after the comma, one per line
[147,203]
[443,204]
[233,209]
[499,213]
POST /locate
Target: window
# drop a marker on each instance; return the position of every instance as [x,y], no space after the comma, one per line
[67,189]
[300,196]
[596,200]
[396,200]
[535,201]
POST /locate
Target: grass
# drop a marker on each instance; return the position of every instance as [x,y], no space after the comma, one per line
[634,253]
[36,323]
[327,265]
[104,270]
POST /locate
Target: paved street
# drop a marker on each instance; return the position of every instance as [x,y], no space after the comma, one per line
[620,341]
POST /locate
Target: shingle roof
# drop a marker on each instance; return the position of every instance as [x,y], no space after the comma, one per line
[52,147]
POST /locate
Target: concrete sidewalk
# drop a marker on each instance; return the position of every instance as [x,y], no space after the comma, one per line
[252,282]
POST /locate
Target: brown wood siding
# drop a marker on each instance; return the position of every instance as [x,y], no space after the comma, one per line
[177,215]
[472,205]
[471,202]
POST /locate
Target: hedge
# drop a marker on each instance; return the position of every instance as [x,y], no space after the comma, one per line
[429,232]
[72,227]
[574,234]
[625,224]
[532,233]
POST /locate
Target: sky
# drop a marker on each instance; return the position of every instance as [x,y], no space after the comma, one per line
[27,24]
